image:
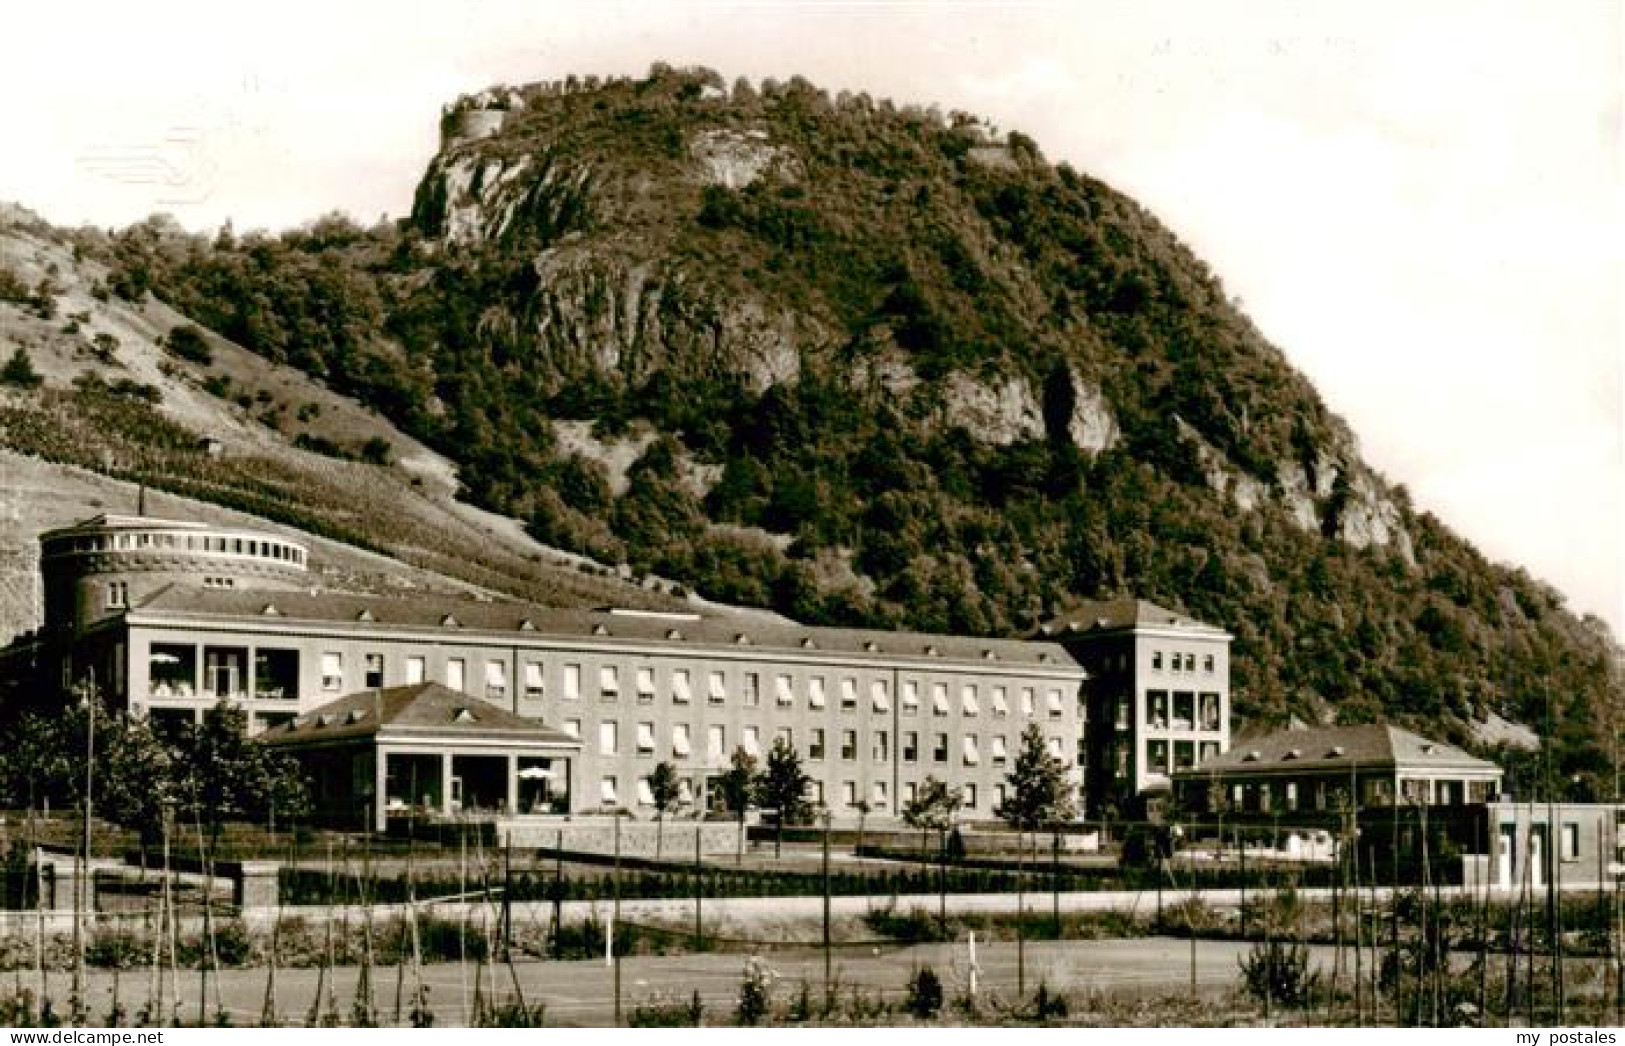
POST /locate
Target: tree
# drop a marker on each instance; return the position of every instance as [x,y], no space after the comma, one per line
[664,789]
[19,371]
[1037,790]
[737,787]
[784,788]
[932,809]
[223,776]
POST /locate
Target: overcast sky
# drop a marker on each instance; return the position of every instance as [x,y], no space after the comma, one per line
[1421,204]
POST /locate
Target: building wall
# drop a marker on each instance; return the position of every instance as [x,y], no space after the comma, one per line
[1137,735]
[572,696]
[1585,843]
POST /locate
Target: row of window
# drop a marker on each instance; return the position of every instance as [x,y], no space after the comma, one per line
[750,739]
[1190,711]
[1182,661]
[609,788]
[258,548]
[1187,755]
[681,687]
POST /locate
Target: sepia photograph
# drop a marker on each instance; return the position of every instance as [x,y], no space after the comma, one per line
[783,514]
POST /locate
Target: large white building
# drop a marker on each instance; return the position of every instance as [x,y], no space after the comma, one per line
[168,617]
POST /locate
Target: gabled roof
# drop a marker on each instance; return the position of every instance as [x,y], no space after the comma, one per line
[1370,746]
[476,617]
[1127,612]
[402,712]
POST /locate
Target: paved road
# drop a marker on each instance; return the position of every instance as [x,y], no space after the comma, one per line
[582,993]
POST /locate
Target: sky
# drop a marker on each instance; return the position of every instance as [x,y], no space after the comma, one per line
[1421,204]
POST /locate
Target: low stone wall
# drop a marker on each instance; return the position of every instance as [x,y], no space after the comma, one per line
[597,835]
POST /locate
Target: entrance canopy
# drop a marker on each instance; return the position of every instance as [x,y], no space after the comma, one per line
[427,750]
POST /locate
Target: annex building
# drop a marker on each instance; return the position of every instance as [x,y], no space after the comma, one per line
[538,709]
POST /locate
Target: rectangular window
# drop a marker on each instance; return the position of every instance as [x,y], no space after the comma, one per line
[680,740]
[609,683]
[882,747]
[1207,662]
[1184,755]
[608,737]
[1027,702]
[1000,753]
[1057,747]
[1571,841]
[879,699]
[716,743]
[849,793]
[939,698]
[332,671]
[646,794]
[971,755]
[1156,757]
[815,793]
[225,671]
[786,735]
[911,697]
[496,680]
[1156,708]
[970,797]
[1156,659]
[815,745]
[572,682]
[910,791]
[967,700]
[1052,699]
[681,694]
[373,665]
[753,740]
[118,594]
[606,791]
[534,687]
[911,747]
[849,694]
[1184,710]
[646,739]
[646,685]
[456,673]
[1124,714]
[849,745]
[784,694]
[878,797]
[815,692]
[573,728]
[417,670]
[276,674]
[939,748]
[1210,711]
[753,690]
[1001,707]
[717,691]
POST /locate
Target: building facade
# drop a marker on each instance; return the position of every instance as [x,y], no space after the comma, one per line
[166,618]
[1158,695]
[1326,770]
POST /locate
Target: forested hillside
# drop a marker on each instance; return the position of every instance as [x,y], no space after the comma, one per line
[872,365]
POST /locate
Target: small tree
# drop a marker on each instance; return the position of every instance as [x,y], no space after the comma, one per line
[784,787]
[222,775]
[1037,790]
[664,789]
[737,787]
[932,809]
[19,371]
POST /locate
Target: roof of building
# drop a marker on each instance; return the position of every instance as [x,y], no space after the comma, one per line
[420,708]
[478,618]
[1368,746]
[1127,612]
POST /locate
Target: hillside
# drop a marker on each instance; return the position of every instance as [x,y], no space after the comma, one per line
[871,365]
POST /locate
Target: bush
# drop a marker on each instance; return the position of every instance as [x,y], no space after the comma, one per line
[755,994]
[19,371]
[1280,973]
[668,1013]
[187,342]
[924,999]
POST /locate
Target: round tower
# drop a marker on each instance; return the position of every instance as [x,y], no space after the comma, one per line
[103,566]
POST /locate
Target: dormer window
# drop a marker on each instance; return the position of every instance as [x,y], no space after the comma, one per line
[366,615]
[673,634]
[1293,754]
[741,639]
[871,646]
[1334,752]
[1252,756]
[464,715]
[808,644]
[450,622]
[270,610]
[527,625]
[931,651]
